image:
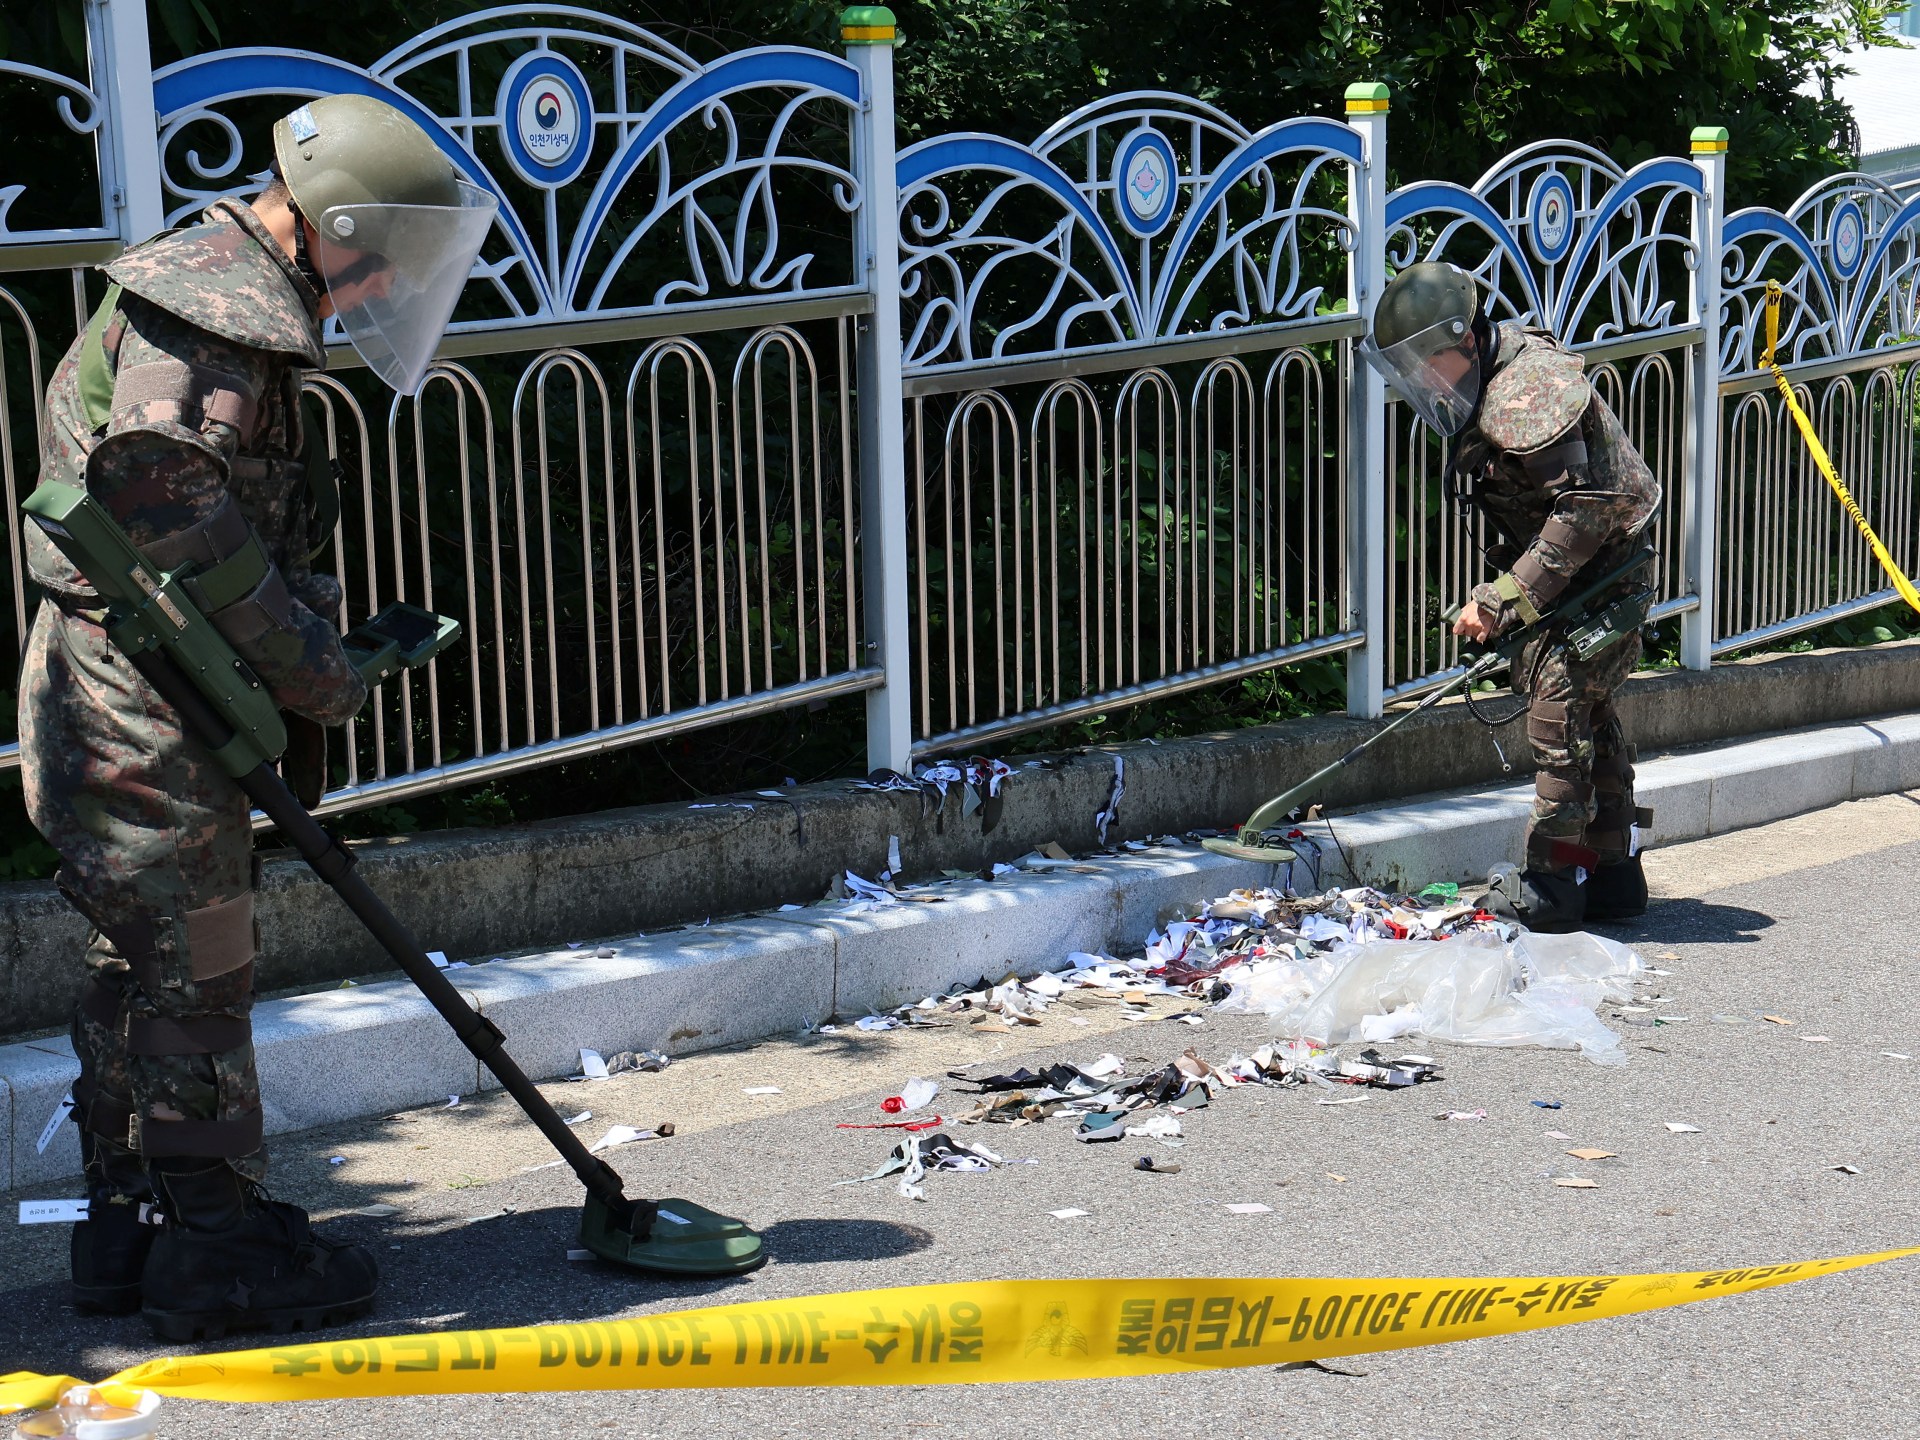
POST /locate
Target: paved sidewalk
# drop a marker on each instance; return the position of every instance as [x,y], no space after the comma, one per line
[1810,919]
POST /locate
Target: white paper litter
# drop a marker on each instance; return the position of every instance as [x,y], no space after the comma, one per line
[439,959]
[1108,1064]
[1253,1208]
[583,1115]
[917,1094]
[1677,1128]
[877,1022]
[337,1160]
[1159,1127]
[60,1114]
[453,1103]
[52,1212]
[761,1090]
[1067,1214]
[621,1135]
[592,1065]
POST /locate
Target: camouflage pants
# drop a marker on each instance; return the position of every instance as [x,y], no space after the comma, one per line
[1583,786]
[156,852]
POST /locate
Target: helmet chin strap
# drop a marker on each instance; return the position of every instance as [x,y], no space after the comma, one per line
[301,260]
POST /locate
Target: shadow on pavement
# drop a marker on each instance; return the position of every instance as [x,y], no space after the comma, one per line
[1691,921]
[816,1242]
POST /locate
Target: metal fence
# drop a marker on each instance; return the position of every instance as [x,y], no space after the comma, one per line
[741,410]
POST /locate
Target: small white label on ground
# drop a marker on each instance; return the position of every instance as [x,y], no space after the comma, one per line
[52,1212]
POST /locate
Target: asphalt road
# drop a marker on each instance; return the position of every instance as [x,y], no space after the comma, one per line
[1812,920]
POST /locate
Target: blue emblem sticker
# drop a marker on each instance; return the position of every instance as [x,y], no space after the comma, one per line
[1146,182]
[1550,218]
[546,118]
[1847,239]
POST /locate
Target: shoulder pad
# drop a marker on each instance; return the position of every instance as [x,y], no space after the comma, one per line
[1534,397]
[219,276]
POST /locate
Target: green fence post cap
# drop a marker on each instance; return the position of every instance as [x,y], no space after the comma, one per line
[1709,139]
[867,25]
[1367,97]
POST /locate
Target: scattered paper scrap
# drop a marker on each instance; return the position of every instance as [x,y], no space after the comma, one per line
[1461,1115]
[621,1135]
[1558,1135]
[1678,1127]
[1588,1153]
[1847,1169]
[583,1115]
[439,959]
[1776,1019]
[1068,1214]
[592,1065]
[337,1160]
[52,1212]
[1337,1179]
[1817,1039]
[761,1090]
[376,1212]
[453,1103]
[1895,1055]
[60,1114]
[1575,1182]
[1343,1100]
[1251,1208]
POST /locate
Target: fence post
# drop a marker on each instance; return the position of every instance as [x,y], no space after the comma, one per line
[1366,439]
[1700,511]
[121,61]
[869,35]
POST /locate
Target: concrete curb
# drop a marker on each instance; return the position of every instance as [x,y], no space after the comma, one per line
[372,1049]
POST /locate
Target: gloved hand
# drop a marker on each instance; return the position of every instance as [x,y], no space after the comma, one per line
[304,766]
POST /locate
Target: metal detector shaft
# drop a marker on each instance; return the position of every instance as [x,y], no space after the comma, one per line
[333,863]
[1281,806]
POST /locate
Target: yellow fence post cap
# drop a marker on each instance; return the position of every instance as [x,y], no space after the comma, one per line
[1368,97]
[867,25]
[1710,140]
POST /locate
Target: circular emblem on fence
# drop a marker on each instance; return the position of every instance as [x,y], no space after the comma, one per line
[1550,218]
[546,118]
[1145,177]
[1847,239]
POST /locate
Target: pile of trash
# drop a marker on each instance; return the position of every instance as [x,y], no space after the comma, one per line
[1346,967]
[1342,967]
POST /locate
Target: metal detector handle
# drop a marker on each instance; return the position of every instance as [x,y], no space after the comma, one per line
[333,863]
[400,637]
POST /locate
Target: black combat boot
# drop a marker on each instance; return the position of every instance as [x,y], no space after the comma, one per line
[1617,891]
[1542,900]
[228,1258]
[109,1247]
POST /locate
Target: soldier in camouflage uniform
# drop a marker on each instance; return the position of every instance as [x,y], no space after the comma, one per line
[179,410]
[1540,455]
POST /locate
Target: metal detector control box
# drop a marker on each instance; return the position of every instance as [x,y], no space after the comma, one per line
[400,637]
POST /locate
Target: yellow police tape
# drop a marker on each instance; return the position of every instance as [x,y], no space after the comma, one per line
[1001,1330]
[1900,581]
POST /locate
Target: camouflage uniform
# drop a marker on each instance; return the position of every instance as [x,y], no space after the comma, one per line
[1550,466]
[206,349]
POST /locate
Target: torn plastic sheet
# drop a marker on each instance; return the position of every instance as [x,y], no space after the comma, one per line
[1472,989]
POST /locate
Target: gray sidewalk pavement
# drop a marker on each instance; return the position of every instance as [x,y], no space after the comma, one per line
[1810,919]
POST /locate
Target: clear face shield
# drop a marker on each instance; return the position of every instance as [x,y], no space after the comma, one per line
[1437,372]
[394,274]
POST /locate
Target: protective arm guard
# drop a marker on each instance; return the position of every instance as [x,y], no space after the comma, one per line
[182,400]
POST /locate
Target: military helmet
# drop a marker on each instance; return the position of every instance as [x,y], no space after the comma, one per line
[1425,343]
[343,151]
[1422,296]
[396,227]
